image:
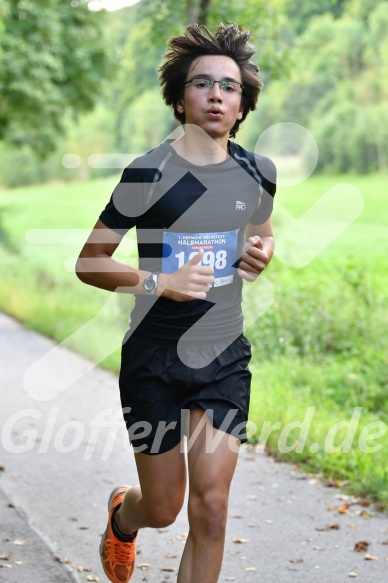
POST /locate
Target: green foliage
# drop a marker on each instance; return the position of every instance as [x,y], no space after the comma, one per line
[137,76]
[302,12]
[323,64]
[93,134]
[361,9]
[314,316]
[6,240]
[146,123]
[52,63]
[337,89]
[19,166]
[267,28]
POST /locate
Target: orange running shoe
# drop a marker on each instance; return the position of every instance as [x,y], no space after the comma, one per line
[117,557]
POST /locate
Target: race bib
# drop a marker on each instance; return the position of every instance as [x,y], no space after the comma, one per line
[220,252]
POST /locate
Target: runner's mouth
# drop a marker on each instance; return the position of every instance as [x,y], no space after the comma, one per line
[215,114]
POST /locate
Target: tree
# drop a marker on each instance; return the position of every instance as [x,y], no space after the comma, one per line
[362,9]
[52,67]
[168,18]
[300,13]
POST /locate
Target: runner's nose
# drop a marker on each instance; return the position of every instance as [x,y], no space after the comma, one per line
[215,93]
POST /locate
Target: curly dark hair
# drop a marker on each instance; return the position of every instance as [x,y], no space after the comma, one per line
[198,41]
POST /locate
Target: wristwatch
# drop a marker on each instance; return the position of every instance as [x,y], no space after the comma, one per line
[151,283]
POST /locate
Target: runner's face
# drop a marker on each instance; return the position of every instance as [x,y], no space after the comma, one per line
[215,111]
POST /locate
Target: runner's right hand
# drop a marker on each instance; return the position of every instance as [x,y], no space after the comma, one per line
[189,282]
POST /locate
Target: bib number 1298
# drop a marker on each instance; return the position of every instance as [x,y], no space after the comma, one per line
[217,259]
[220,252]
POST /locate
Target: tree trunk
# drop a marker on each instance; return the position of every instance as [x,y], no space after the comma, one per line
[204,11]
[192,11]
[197,11]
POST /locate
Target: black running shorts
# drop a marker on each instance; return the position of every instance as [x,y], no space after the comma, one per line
[160,381]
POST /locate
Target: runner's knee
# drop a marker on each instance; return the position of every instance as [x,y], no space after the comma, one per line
[164,513]
[208,512]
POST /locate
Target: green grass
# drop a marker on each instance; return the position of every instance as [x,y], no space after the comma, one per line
[322,344]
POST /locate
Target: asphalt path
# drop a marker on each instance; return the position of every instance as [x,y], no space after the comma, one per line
[59,464]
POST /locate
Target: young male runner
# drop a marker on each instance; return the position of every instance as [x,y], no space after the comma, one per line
[184,367]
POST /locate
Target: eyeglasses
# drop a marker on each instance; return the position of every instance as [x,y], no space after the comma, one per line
[208,84]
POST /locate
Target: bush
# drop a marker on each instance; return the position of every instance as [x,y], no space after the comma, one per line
[19,167]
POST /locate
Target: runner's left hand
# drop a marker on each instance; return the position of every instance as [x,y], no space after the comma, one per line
[254,259]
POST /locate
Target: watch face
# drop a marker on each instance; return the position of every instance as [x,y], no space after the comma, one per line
[149,283]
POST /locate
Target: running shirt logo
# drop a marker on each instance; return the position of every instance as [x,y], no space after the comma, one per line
[240,206]
[220,252]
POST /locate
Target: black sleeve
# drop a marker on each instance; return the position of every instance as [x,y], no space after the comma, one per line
[267,171]
[129,198]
